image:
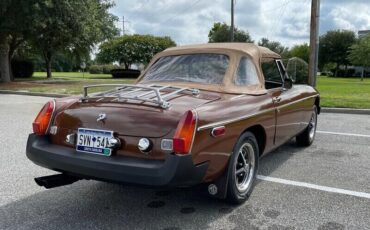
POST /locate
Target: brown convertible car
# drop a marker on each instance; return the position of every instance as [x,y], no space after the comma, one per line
[201,114]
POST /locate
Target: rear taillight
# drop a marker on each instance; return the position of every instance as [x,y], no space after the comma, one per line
[184,134]
[41,123]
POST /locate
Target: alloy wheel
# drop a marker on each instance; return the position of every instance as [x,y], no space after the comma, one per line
[244,167]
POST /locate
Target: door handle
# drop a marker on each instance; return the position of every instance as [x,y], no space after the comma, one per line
[276,99]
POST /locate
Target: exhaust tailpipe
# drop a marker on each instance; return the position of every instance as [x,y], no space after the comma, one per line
[55,180]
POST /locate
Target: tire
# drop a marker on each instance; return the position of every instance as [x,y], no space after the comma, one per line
[242,172]
[307,137]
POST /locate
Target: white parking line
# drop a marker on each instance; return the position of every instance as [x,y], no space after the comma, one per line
[343,134]
[314,186]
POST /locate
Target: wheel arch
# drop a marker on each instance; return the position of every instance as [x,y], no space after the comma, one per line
[317,103]
[260,134]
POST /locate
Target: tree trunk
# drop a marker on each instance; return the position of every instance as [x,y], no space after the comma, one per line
[4,59]
[48,59]
[48,68]
[362,73]
[13,46]
[336,70]
[10,57]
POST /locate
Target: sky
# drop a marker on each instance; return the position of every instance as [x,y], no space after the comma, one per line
[286,21]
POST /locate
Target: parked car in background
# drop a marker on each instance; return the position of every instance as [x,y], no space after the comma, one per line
[200,114]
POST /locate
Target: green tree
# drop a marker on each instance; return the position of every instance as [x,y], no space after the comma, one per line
[129,49]
[71,26]
[16,19]
[301,51]
[360,53]
[220,32]
[334,48]
[275,46]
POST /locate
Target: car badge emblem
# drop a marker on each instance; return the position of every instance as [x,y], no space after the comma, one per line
[102,117]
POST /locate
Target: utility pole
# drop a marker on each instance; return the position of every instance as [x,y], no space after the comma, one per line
[314,42]
[232,22]
[123,25]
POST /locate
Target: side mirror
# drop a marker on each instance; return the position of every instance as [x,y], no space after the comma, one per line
[288,83]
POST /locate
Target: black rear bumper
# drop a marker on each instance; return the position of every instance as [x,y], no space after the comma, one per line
[174,171]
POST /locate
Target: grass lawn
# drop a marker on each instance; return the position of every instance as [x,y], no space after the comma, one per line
[62,83]
[344,92]
[335,92]
[71,75]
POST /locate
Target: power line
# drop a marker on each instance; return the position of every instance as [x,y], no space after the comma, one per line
[186,9]
[277,8]
[276,21]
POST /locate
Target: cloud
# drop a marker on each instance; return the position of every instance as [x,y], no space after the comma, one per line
[287,21]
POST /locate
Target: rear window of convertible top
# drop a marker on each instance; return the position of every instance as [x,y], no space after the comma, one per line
[195,68]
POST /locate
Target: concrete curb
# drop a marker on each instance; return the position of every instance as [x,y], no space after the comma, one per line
[56,95]
[346,111]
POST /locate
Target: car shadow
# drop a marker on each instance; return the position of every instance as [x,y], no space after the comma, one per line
[100,205]
[272,161]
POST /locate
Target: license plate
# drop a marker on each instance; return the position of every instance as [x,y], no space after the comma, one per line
[94,141]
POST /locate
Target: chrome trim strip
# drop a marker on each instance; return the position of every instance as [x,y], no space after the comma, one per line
[52,117]
[293,102]
[225,122]
[195,129]
[238,96]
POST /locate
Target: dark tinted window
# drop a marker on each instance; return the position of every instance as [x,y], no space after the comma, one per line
[199,68]
[271,72]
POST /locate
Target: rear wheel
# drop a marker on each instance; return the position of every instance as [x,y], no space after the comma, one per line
[308,135]
[243,167]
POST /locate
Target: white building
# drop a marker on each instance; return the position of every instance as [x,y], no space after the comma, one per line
[362,33]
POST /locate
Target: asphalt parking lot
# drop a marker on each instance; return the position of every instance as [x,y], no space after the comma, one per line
[325,186]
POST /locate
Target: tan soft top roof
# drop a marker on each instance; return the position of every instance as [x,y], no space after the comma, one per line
[235,51]
[249,48]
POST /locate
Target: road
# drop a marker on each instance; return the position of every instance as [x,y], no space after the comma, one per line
[325,186]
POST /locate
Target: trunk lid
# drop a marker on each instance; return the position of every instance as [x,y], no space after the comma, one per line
[131,117]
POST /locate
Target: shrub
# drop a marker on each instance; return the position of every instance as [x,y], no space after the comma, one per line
[22,68]
[351,72]
[95,69]
[327,73]
[101,69]
[346,73]
[108,68]
[125,73]
[129,49]
[297,69]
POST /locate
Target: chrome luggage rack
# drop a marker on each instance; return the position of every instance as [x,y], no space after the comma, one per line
[152,93]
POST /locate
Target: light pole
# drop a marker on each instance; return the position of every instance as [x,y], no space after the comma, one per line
[123,25]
